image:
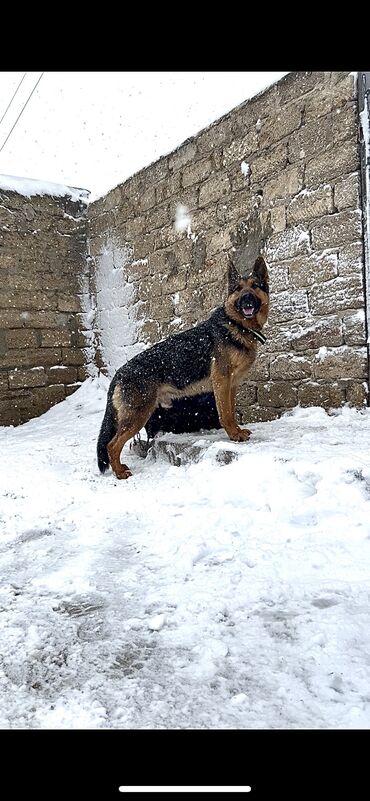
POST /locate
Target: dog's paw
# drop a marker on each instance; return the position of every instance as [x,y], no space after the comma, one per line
[240,435]
[124,474]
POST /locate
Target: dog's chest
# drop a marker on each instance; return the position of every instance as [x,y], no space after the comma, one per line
[242,360]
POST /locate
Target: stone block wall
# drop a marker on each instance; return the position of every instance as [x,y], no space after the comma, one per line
[281,173]
[43,302]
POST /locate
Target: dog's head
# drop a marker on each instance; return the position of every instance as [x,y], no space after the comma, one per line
[248,295]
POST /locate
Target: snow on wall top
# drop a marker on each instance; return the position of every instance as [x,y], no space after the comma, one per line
[31,186]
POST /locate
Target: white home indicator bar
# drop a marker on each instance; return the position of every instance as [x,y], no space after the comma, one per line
[185,789]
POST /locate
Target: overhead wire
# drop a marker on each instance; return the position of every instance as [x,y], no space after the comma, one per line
[10,103]
[21,112]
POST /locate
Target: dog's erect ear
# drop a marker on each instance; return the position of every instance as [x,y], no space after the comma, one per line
[233,276]
[260,271]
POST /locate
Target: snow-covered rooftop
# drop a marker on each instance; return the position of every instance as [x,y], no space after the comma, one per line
[30,186]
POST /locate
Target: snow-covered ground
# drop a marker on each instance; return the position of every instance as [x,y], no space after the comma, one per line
[201,596]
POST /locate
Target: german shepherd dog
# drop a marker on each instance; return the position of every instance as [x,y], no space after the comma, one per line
[213,356]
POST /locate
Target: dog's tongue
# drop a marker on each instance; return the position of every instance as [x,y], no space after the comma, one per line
[248,311]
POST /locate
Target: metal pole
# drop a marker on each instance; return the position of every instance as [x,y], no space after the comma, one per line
[363,92]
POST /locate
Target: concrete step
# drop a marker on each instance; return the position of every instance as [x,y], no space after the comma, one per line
[181,449]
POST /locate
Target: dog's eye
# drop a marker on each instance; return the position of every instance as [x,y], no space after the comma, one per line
[262,287]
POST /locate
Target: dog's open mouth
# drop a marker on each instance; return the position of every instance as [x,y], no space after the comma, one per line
[248,311]
[249,305]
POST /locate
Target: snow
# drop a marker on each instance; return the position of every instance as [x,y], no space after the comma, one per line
[183,222]
[245,168]
[182,219]
[200,596]
[157,622]
[115,315]
[308,192]
[30,187]
[87,318]
[304,237]
[322,353]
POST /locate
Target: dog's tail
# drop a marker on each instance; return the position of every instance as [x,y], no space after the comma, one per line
[107,432]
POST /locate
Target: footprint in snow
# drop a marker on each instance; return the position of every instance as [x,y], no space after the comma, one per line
[324,603]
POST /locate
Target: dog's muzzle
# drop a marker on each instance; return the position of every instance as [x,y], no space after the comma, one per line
[248,305]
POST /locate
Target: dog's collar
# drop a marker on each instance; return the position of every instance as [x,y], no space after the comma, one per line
[255,334]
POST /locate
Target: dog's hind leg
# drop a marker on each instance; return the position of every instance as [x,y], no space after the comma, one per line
[131,418]
[114,449]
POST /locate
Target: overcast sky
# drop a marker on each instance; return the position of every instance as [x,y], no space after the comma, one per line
[95,129]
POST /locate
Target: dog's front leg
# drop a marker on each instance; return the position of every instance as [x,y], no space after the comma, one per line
[225,401]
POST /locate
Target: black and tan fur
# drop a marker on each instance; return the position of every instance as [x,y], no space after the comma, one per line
[187,414]
[214,356]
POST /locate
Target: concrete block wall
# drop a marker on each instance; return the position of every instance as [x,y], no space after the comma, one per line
[281,173]
[43,302]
